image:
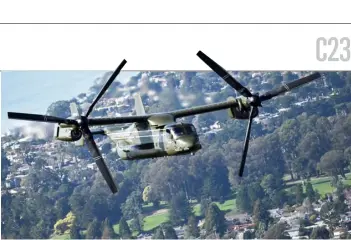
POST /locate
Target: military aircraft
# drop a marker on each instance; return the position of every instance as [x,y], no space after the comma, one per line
[157,134]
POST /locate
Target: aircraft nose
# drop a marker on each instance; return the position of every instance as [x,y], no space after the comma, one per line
[186,141]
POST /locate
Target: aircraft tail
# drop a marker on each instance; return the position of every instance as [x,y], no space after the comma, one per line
[139,106]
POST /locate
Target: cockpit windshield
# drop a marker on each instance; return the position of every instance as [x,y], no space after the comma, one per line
[178,131]
[183,129]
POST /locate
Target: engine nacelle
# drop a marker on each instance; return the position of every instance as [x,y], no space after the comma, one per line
[242,111]
[69,134]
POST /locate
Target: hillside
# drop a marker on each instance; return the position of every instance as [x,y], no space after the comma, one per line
[304,134]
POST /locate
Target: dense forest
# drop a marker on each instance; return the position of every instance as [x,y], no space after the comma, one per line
[309,140]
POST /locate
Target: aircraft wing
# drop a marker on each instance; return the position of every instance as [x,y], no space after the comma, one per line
[177,114]
[117,120]
[204,109]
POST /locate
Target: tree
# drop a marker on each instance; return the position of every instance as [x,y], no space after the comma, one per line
[180,208]
[137,223]
[260,214]
[64,225]
[320,233]
[214,220]
[339,205]
[271,184]
[248,234]
[169,231]
[61,207]
[310,193]
[107,230]
[204,203]
[94,230]
[132,206]
[243,200]
[75,231]
[158,234]
[289,138]
[333,163]
[298,189]
[329,215]
[277,231]
[192,230]
[124,230]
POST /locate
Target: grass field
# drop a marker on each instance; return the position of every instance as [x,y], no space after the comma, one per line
[152,221]
[322,184]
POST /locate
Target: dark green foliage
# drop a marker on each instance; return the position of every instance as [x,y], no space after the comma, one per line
[214,220]
[137,223]
[310,193]
[277,231]
[298,191]
[260,213]
[107,230]
[132,206]
[329,215]
[248,235]
[75,231]
[94,230]
[62,208]
[158,234]
[333,163]
[124,230]
[320,233]
[192,230]
[180,209]
[205,202]
[339,204]
[169,231]
[242,199]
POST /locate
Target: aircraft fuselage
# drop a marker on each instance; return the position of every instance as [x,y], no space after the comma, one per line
[139,142]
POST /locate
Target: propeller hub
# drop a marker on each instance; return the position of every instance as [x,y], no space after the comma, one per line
[255,101]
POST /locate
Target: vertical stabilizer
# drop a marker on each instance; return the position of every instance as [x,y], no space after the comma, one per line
[139,106]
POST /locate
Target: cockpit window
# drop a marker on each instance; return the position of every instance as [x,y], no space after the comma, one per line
[178,131]
[182,130]
[190,129]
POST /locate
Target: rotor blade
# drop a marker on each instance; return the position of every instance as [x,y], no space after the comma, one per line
[39,118]
[246,144]
[224,74]
[98,159]
[289,86]
[108,83]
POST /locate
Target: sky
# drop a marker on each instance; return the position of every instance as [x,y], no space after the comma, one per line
[34,91]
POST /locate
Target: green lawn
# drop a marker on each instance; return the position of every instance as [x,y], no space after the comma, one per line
[152,221]
[322,185]
[229,205]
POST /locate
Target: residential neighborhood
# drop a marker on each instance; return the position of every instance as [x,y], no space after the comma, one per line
[283,162]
